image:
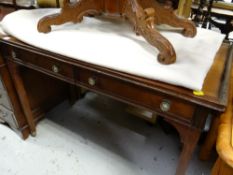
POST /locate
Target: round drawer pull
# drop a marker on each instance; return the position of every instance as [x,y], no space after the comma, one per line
[165,105]
[55,69]
[91,81]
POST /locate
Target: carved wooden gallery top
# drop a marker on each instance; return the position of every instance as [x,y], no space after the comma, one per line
[142,14]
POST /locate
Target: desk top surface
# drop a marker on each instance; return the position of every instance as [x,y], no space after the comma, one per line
[112,44]
[215,87]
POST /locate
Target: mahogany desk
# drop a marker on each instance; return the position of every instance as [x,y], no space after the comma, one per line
[185,111]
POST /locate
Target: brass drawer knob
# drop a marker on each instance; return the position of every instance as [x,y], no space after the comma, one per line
[55,69]
[91,81]
[165,105]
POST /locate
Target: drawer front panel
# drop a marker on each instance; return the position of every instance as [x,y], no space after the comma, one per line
[44,63]
[163,104]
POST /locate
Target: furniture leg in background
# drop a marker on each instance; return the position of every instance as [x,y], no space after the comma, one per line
[210,140]
[224,144]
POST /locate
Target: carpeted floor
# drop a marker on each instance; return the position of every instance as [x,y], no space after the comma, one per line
[94,137]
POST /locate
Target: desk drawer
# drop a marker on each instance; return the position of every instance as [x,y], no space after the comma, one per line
[127,91]
[44,64]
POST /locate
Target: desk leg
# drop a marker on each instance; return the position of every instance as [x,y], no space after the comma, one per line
[189,137]
[18,82]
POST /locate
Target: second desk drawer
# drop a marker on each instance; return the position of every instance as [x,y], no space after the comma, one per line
[136,94]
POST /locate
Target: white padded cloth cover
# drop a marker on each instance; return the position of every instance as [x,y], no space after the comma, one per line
[113,44]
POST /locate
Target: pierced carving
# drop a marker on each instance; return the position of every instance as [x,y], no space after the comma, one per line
[142,14]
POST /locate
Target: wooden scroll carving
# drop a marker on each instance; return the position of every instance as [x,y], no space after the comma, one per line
[142,14]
